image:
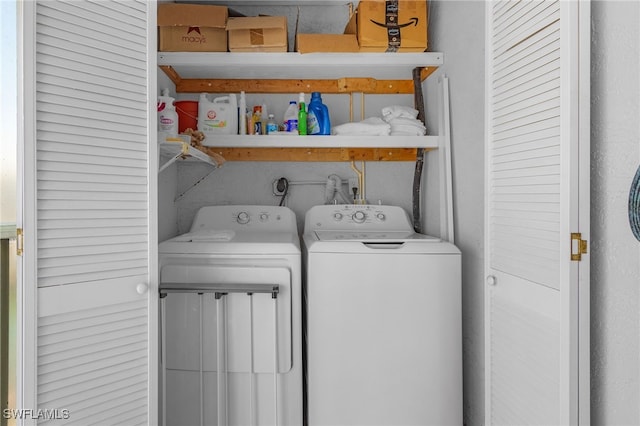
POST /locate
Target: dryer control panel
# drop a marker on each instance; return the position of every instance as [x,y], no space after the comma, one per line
[357,217]
[245,217]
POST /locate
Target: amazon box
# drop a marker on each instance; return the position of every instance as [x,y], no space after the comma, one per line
[192,28]
[391,26]
[258,34]
[312,43]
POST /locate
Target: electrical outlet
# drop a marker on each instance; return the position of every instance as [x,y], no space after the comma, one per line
[353,183]
[278,189]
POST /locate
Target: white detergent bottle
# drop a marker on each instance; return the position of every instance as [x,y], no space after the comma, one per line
[167,115]
[218,117]
[291,118]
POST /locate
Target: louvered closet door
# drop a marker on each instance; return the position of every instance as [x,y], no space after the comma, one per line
[537,194]
[92,211]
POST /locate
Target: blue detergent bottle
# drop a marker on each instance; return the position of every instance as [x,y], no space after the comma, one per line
[318,122]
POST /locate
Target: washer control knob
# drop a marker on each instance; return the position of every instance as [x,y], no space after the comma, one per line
[243,218]
[381,217]
[264,217]
[359,216]
[337,216]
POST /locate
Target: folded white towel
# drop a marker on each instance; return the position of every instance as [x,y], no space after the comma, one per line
[373,126]
[408,131]
[407,126]
[398,111]
[406,122]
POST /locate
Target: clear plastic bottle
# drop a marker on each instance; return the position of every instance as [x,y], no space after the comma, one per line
[291,117]
[272,126]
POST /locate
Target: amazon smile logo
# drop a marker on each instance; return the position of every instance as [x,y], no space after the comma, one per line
[412,21]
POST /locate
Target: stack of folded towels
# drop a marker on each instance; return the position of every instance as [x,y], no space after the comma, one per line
[403,121]
[397,120]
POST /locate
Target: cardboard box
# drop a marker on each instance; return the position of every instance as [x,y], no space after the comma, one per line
[391,26]
[311,43]
[192,28]
[258,34]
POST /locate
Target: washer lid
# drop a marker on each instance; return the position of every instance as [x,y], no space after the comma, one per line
[415,244]
[231,242]
[380,235]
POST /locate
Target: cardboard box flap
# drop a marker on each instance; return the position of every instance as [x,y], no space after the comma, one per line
[192,15]
[256,22]
[352,26]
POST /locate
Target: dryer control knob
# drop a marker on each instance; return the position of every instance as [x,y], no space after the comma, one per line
[381,217]
[243,218]
[337,216]
[264,217]
[359,216]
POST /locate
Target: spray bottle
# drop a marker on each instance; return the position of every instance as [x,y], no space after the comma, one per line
[167,115]
[302,116]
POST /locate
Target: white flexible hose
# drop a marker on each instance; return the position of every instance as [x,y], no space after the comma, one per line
[334,182]
[329,190]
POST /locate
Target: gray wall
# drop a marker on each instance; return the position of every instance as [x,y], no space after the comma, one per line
[457,29]
[615,266]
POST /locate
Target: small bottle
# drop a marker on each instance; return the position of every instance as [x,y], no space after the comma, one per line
[272,126]
[264,119]
[257,120]
[242,114]
[302,116]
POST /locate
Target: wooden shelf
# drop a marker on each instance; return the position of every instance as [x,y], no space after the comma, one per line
[315,154]
[292,72]
[294,65]
[319,148]
[288,141]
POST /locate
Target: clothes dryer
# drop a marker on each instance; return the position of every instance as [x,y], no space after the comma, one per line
[231,319]
[382,320]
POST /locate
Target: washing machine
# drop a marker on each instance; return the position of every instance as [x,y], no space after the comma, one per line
[382,311]
[230,294]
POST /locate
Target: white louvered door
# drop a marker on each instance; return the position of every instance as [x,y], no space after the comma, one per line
[89,221]
[537,194]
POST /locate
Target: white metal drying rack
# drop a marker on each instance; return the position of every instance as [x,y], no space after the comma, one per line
[182,150]
[219,291]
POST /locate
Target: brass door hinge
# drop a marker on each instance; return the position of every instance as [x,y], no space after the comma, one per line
[19,241]
[578,246]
